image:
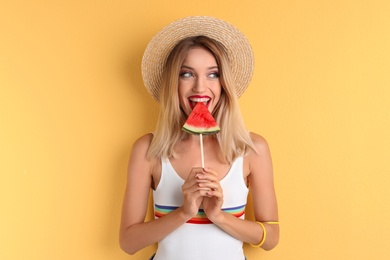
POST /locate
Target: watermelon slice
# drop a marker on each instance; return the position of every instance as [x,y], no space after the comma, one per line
[200,121]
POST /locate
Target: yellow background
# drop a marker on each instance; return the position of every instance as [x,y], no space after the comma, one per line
[72,102]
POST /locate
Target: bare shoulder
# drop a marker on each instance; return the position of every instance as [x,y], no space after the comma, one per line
[139,163]
[138,157]
[261,145]
[142,143]
[258,162]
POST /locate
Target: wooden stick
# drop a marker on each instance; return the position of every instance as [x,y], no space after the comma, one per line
[201,150]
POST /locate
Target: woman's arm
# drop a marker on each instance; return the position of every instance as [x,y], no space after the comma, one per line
[136,234]
[261,184]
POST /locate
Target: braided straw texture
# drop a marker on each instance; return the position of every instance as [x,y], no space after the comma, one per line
[236,44]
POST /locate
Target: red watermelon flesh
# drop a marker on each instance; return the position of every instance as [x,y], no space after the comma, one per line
[200,121]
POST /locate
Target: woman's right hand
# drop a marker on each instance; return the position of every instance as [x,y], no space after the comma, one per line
[192,193]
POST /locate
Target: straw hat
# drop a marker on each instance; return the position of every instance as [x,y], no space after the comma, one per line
[236,44]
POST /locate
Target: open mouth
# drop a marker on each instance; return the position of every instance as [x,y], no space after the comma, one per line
[194,100]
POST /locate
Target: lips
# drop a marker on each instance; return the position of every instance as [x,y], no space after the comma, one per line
[195,99]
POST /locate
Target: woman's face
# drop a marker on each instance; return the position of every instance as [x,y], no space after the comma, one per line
[199,80]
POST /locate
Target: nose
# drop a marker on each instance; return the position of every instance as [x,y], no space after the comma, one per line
[200,85]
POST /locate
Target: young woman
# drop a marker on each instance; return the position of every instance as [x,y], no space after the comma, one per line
[199,212]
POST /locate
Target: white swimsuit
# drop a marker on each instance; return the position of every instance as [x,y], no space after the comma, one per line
[199,238]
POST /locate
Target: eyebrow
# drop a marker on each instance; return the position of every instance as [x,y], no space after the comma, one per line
[210,68]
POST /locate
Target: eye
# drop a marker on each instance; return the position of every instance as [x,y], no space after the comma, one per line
[186,74]
[214,75]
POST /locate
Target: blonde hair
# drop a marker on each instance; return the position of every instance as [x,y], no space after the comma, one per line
[233,138]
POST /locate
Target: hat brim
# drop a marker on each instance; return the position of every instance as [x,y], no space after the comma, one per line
[238,48]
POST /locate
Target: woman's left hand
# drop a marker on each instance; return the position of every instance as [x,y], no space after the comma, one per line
[212,202]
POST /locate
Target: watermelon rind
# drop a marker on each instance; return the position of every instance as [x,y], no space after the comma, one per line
[197,130]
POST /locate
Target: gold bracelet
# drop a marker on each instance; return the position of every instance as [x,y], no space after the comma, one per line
[272,222]
[264,235]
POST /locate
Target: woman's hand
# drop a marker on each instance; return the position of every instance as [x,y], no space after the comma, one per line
[213,200]
[193,191]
